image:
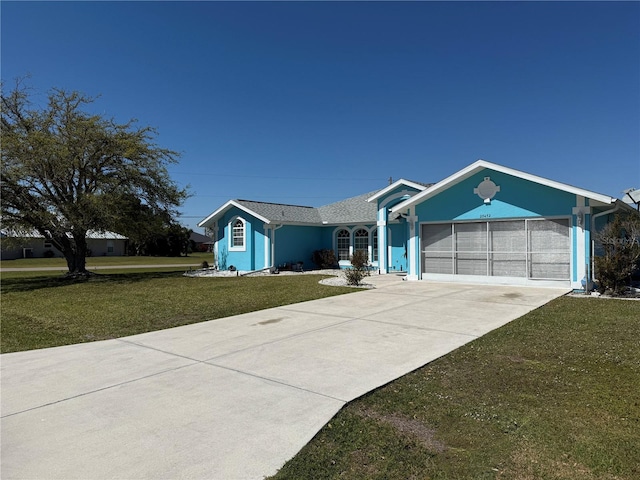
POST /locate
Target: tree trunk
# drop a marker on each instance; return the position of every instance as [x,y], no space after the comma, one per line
[76,255]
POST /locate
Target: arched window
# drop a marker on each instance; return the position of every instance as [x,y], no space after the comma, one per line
[361,240]
[238,231]
[342,244]
[374,246]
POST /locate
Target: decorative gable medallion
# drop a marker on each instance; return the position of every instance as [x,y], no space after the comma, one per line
[486,190]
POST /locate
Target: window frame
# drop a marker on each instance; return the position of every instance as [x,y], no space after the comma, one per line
[374,245]
[358,236]
[232,228]
[341,248]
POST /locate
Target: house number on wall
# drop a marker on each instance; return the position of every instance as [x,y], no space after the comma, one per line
[485,215]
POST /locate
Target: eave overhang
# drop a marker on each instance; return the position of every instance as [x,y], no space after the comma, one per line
[481,165]
[395,185]
[230,204]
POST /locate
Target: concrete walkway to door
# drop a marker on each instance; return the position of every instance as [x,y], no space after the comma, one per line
[232,398]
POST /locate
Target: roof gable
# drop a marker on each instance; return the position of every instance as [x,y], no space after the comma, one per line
[398,183]
[481,165]
[231,203]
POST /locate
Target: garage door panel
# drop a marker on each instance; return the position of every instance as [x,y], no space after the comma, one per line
[471,263]
[438,263]
[508,264]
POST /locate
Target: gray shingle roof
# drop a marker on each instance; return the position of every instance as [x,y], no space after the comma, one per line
[349,211]
[278,212]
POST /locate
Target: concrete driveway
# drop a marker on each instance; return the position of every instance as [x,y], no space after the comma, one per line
[233,398]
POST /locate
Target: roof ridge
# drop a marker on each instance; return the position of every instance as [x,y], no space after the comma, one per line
[274,203]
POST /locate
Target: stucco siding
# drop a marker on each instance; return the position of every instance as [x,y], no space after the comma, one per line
[251,255]
[397,247]
[517,198]
[297,243]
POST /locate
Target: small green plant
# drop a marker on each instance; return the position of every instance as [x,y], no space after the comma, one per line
[359,268]
[204,264]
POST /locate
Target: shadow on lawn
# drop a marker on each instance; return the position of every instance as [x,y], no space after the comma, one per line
[28,284]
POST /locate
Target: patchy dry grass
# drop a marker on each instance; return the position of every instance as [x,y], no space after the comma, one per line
[40,310]
[552,395]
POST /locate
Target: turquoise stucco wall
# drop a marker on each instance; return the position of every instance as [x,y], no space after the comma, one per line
[295,243]
[252,257]
[398,246]
[516,198]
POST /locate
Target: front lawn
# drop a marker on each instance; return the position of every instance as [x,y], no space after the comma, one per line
[552,395]
[41,310]
[193,259]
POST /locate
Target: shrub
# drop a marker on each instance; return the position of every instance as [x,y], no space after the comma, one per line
[205,264]
[324,258]
[619,242]
[359,268]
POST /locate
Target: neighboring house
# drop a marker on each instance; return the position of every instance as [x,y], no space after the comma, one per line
[485,223]
[35,245]
[200,243]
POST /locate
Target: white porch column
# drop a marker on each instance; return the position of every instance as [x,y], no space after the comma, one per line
[382,246]
[267,243]
[581,215]
[412,239]
[214,231]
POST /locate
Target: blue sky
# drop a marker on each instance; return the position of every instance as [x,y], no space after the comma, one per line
[312,102]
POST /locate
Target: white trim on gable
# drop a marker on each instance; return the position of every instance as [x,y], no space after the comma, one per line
[227,206]
[394,185]
[481,165]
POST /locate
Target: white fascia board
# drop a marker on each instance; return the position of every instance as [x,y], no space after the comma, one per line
[227,206]
[395,184]
[482,164]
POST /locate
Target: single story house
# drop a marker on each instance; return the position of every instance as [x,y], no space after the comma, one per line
[34,245]
[200,243]
[485,223]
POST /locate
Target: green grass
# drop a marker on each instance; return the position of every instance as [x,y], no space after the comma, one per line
[552,395]
[42,310]
[192,259]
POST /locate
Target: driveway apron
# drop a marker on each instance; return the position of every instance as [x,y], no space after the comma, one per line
[232,398]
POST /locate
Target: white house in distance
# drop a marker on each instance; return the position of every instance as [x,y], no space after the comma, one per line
[35,245]
[485,223]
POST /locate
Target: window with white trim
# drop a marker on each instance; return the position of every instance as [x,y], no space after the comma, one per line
[343,240]
[238,235]
[361,240]
[374,246]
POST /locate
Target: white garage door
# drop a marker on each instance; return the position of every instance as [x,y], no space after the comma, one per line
[536,249]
